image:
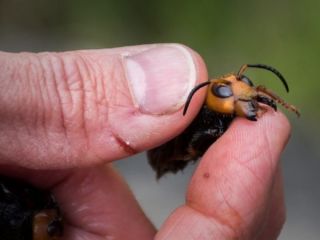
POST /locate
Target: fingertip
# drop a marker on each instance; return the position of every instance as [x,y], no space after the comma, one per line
[269,134]
[143,91]
[152,123]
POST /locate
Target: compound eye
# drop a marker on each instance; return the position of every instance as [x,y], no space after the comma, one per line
[221,91]
[246,80]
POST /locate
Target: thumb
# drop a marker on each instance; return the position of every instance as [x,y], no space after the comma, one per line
[83,107]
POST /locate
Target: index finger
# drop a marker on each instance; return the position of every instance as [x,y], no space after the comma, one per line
[229,191]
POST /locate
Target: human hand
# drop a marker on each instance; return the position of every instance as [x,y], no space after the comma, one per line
[64,115]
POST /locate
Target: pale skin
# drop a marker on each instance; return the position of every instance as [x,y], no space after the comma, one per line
[64,110]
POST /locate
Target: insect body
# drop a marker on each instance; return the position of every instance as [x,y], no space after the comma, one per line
[27,213]
[227,97]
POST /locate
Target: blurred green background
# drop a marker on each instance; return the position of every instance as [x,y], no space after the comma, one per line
[284,34]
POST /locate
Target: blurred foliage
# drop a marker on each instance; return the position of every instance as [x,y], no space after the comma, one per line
[284,34]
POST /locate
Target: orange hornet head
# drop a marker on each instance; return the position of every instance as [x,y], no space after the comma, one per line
[235,94]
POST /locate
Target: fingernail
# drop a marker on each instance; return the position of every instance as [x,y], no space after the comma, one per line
[161,78]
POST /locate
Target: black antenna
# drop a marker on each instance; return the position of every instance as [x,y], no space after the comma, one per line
[196,88]
[263,66]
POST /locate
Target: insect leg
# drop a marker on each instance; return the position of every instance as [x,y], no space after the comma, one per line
[266,92]
[268,101]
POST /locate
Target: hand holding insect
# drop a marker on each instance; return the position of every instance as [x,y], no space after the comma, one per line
[64,115]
